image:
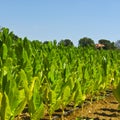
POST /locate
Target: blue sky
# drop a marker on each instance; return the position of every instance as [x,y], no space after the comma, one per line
[61,19]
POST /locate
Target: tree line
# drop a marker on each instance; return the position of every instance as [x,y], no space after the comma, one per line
[83,42]
[88,42]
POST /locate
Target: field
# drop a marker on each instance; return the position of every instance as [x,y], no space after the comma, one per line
[103,109]
[37,80]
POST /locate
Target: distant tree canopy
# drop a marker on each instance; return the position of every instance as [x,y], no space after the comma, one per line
[108,44]
[66,42]
[83,42]
[46,42]
[117,44]
[86,42]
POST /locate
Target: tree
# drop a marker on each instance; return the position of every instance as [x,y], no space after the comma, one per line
[66,42]
[46,42]
[108,44]
[86,42]
[117,44]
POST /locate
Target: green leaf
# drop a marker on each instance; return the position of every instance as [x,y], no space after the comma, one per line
[36,99]
[5,108]
[39,113]
[79,96]
[20,107]
[23,78]
[24,55]
[51,73]
[18,96]
[52,97]
[1,95]
[32,87]
[116,92]
[65,95]
[27,87]
[4,51]
[71,83]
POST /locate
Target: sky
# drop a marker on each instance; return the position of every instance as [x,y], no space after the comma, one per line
[48,20]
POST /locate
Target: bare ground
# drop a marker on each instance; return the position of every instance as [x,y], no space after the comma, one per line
[103,109]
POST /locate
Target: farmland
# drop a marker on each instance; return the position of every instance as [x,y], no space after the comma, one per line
[45,77]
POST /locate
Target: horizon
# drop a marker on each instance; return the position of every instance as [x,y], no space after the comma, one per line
[58,20]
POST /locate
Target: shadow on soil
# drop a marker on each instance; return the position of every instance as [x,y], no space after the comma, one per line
[87,118]
[112,112]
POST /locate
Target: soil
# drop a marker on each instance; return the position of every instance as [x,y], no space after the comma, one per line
[103,109]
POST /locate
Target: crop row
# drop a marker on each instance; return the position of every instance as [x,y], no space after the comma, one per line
[46,77]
